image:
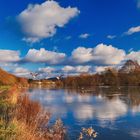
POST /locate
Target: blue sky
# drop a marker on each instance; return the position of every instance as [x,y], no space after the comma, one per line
[76,36]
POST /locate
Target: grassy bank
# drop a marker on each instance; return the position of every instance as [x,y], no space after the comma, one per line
[4,88]
[23,119]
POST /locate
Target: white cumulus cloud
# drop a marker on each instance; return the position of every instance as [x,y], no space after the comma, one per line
[107,54]
[21,72]
[102,54]
[7,56]
[45,56]
[68,69]
[111,36]
[40,21]
[100,69]
[46,70]
[76,69]
[133,30]
[133,55]
[84,36]
[82,54]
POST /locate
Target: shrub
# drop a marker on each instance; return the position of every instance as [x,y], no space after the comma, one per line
[26,120]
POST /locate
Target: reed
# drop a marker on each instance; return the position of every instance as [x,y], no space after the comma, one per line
[24,119]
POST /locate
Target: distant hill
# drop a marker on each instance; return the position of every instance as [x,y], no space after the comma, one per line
[130,66]
[9,79]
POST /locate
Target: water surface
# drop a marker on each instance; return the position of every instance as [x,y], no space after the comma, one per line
[113,112]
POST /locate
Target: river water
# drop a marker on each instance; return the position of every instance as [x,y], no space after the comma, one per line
[113,112]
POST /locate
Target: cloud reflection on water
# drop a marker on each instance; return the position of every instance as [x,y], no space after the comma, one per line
[102,110]
[107,110]
[83,107]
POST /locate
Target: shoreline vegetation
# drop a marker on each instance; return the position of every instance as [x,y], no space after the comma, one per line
[127,75]
[22,119]
[110,77]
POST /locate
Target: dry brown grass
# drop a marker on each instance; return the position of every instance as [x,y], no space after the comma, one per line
[27,120]
[11,80]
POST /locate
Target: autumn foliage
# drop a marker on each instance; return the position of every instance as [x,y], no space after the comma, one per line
[110,77]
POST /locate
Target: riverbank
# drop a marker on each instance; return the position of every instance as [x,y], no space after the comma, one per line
[21,118]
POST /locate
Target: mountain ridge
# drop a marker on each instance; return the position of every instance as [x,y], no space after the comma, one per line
[130,66]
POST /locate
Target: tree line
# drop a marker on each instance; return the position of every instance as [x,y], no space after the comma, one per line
[110,77]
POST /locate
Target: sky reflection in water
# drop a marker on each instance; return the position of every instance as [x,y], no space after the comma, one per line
[114,113]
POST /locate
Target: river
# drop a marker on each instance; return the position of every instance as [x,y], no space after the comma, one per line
[113,112]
